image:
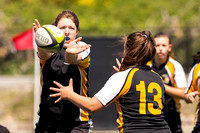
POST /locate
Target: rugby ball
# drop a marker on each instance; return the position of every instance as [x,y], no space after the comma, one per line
[50,38]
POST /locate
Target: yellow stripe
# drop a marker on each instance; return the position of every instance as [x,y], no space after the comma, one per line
[42,62]
[149,63]
[194,85]
[172,70]
[82,66]
[125,89]
[84,63]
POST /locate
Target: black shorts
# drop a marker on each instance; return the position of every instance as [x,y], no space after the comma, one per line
[44,126]
[174,121]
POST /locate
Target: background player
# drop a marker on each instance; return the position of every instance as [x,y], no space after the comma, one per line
[173,76]
[194,85]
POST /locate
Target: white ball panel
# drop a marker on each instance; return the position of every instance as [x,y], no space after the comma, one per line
[42,37]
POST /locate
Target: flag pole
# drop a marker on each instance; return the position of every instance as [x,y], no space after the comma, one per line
[36,84]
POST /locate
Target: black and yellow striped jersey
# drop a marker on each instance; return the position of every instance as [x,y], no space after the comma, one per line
[139,95]
[56,69]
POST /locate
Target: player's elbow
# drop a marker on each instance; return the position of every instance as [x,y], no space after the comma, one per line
[94,106]
[93,110]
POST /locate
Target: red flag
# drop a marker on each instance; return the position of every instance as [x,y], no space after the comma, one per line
[24,40]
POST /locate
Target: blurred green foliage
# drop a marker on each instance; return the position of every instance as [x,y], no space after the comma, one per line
[105,17]
[111,18]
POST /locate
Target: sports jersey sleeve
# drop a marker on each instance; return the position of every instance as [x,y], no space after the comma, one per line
[85,53]
[85,57]
[193,83]
[112,87]
[179,75]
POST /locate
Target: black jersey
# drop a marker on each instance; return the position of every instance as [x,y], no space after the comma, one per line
[139,96]
[56,69]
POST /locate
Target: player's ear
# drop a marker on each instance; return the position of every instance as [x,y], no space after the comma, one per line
[170,48]
[77,31]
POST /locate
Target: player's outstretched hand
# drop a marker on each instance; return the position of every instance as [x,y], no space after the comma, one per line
[190,98]
[63,92]
[74,48]
[118,64]
[36,25]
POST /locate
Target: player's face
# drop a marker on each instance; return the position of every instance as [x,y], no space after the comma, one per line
[162,47]
[69,28]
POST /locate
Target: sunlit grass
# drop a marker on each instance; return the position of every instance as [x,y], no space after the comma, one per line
[17,103]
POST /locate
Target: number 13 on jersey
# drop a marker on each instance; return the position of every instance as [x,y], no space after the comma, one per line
[143,106]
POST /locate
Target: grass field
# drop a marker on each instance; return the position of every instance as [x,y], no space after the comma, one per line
[16,107]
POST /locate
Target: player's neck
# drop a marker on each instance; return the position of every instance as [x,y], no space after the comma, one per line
[159,61]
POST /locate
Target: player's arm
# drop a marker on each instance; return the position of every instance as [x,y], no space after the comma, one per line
[91,105]
[73,51]
[180,81]
[41,53]
[175,92]
[180,93]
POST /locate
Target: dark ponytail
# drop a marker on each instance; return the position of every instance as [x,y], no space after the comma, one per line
[139,48]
